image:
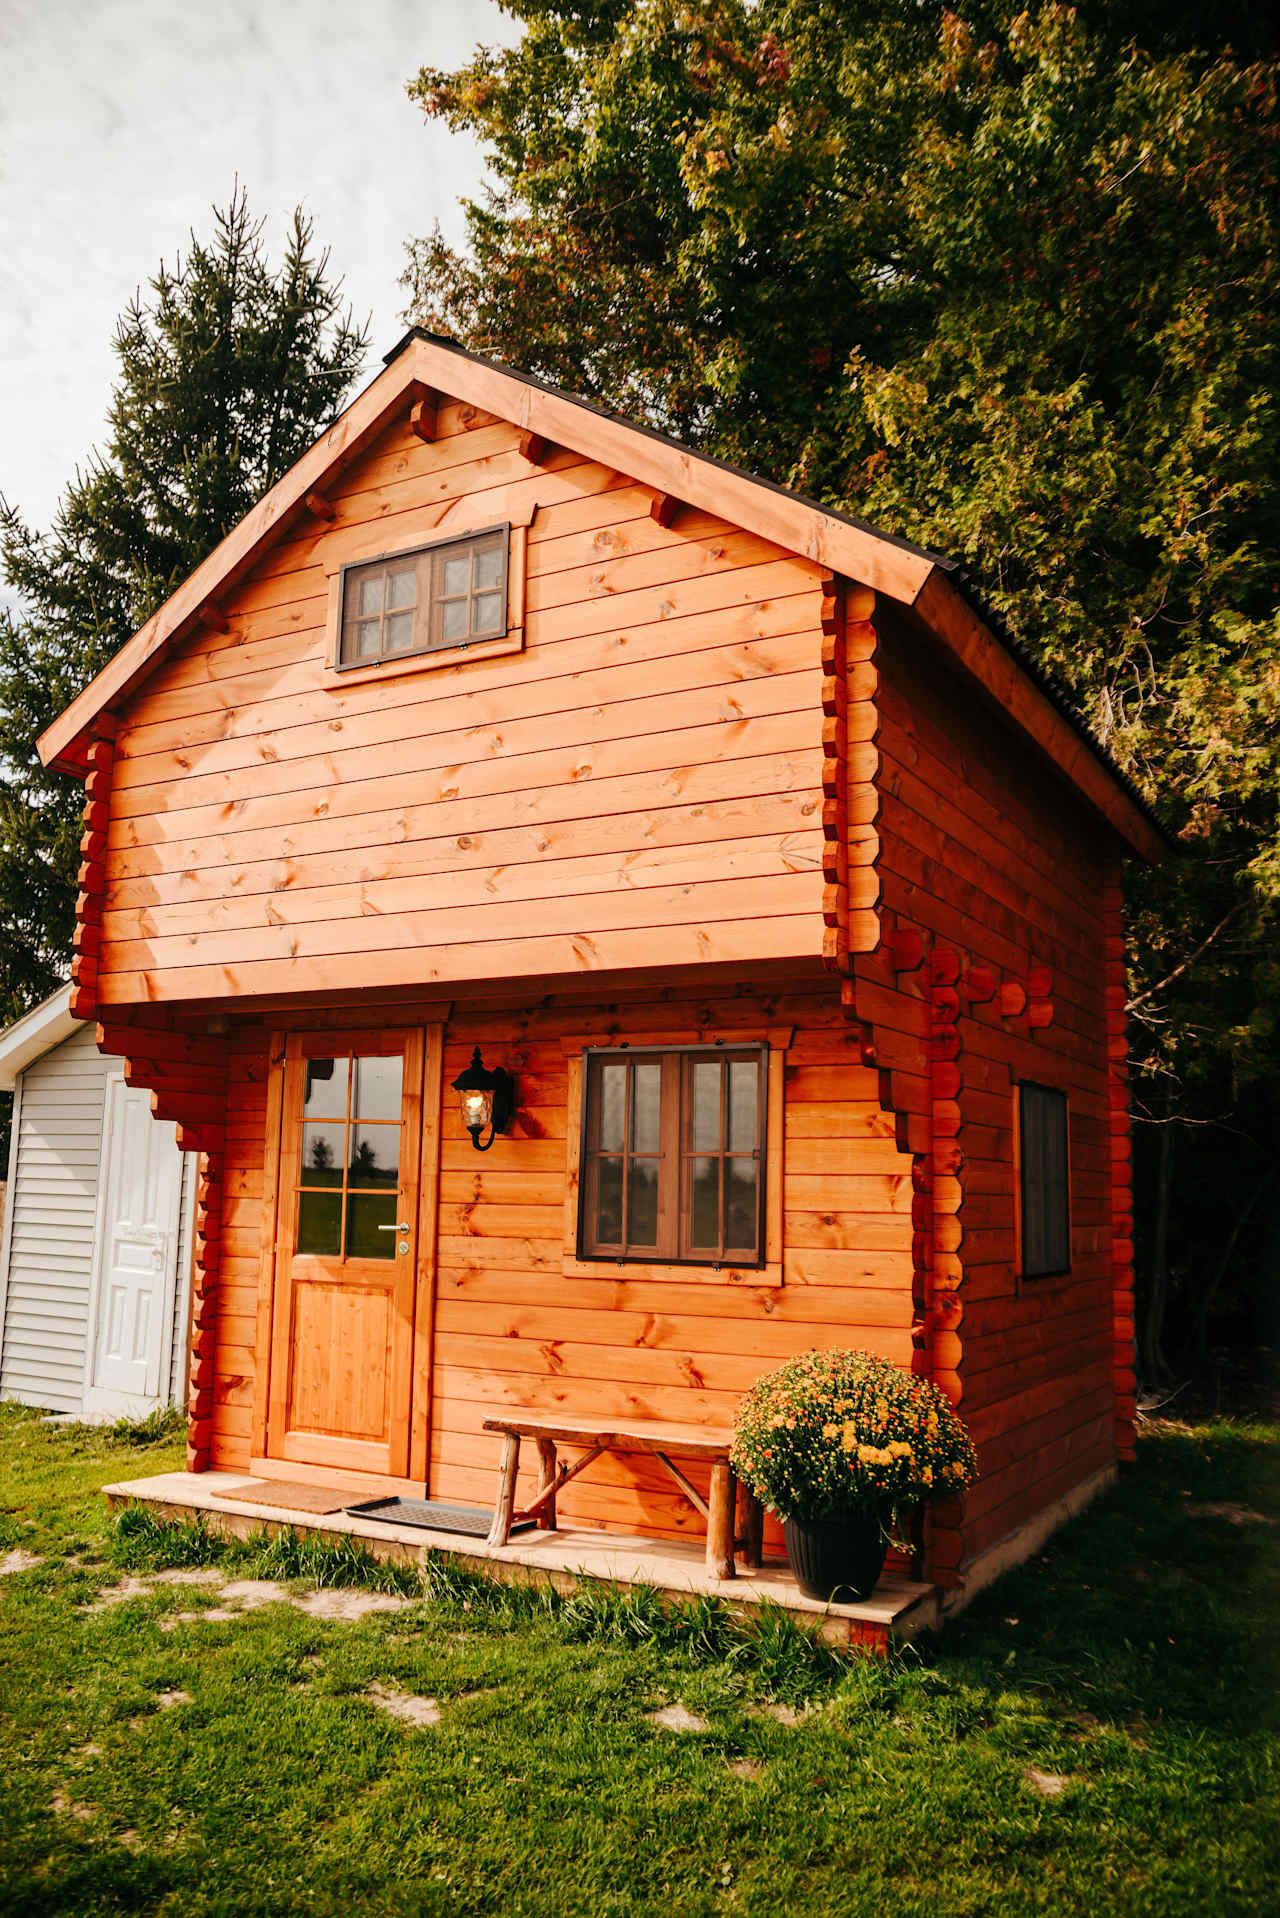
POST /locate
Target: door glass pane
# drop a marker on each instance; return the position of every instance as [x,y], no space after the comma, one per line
[326,1089]
[744,1117]
[320,1223]
[367,1214]
[706,1106]
[646,1097]
[740,1204]
[642,1203]
[609,1201]
[322,1150]
[377,1088]
[375,1155]
[611,1106]
[704,1208]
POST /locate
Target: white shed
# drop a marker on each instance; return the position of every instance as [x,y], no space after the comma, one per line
[96,1253]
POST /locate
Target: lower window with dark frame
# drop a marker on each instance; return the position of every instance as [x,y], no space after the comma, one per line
[673,1155]
[1044,1195]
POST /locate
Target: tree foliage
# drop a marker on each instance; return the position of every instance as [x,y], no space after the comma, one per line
[229,368]
[1003,281]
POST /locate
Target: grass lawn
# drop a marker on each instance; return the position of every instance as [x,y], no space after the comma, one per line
[1096,1735]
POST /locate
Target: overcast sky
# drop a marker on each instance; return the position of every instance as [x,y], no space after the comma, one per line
[123,121]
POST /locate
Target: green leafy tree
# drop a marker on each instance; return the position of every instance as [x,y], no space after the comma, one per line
[1003,280]
[229,369]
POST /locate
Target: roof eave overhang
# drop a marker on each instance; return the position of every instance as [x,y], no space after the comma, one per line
[943,608]
[36,1033]
[912,578]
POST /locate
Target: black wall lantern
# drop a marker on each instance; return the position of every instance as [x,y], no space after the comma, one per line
[487,1099]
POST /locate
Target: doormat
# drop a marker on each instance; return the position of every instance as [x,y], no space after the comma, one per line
[296,1498]
[433,1516]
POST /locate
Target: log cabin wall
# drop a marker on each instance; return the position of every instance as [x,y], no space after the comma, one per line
[644,777]
[512,1327]
[1000,871]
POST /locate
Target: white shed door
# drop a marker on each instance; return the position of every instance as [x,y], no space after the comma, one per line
[136,1257]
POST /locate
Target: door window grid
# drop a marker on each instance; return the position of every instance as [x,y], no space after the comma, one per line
[349,1172]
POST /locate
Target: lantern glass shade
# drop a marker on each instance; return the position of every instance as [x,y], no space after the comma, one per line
[477,1109]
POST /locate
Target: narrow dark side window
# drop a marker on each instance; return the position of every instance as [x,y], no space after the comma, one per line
[425,601]
[673,1156]
[1045,1205]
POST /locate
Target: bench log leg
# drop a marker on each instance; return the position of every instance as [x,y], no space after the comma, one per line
[547,1477]
[720,1521]
[500,1530]
[750,1527]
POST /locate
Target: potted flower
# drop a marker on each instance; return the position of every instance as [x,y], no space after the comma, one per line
[838,1443]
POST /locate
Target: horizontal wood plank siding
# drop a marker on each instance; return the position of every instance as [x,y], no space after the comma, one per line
[646,775]
[512,1327]
[991,859]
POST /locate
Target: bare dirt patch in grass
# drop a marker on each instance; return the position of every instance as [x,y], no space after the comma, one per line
[65,1808]
[17,1561]
[251,1593]
[1047,1783]
[1236,1515]
[748,1768]
[403,1705]
[676,1718]
[781,1714]
[129,1587]
[347,1605]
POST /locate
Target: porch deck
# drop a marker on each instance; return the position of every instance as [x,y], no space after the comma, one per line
[899,1607]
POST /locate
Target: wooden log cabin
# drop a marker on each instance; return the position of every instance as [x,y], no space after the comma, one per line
[739,835]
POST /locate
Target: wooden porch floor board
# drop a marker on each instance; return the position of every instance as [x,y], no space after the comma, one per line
[899,1606]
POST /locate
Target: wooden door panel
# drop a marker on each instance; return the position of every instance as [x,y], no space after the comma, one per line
[345,1274]
[341,1362]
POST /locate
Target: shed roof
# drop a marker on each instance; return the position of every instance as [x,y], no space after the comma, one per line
[934,590]
[36,1033]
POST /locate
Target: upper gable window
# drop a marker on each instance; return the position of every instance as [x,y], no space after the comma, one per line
[437,597]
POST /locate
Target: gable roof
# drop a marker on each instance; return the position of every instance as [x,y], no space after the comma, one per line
[929,588]
[36,1033]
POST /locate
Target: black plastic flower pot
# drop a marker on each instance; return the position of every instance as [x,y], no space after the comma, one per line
[838,1557]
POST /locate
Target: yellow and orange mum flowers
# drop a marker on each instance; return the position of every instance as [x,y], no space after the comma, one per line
[840,1430]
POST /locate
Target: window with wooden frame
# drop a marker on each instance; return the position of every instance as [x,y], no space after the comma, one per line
[673,1155]
[430,599]
[1044,1205]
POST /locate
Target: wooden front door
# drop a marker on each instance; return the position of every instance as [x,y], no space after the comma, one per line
[347,1245]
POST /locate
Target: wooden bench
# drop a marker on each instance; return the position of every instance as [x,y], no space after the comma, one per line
[735,1518]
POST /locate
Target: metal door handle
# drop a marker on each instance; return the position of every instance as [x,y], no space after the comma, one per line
[403,1227]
